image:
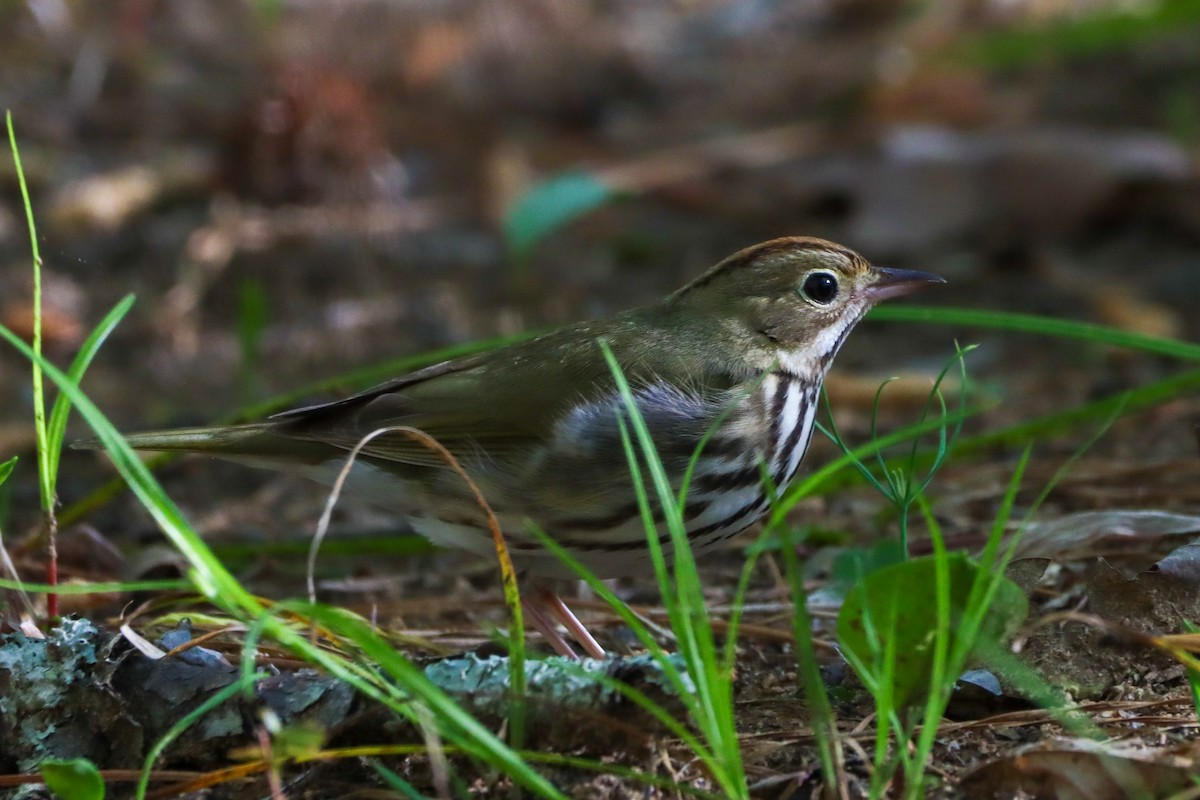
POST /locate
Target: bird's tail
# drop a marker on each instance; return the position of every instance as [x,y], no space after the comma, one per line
[257,439]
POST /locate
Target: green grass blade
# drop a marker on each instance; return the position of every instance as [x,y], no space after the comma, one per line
[713,712]
[1036,324]
[45,475]
[62,405]
[6,469]
[106,587]
[822,719]
[395,782]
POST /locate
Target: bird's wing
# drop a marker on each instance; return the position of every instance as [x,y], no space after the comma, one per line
[496,403]
[502,404]
[442,401]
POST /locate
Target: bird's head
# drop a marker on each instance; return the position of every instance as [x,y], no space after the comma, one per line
[801,296]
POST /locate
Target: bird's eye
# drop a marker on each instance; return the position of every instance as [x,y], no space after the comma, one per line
[820,287]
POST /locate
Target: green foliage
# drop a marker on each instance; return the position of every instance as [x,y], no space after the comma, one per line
[852,566]
[711,705]
[72,779]
[548,206]
[886,630]
[50,433]
[899,482]
[387,677]
[57,429]
[1112,27]
[45,474]
[6,469]
[704,684]
[808,669]
[909,628]
[1037,324]
[395,782]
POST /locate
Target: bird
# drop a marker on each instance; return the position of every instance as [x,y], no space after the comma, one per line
[725,372]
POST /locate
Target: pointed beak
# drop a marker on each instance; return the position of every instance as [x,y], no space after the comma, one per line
[897,282]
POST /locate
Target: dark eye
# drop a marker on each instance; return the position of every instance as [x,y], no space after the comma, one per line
[820,287]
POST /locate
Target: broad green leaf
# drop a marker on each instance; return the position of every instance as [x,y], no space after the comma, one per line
[549,206]
[851,566]
[73,779]
[892,611]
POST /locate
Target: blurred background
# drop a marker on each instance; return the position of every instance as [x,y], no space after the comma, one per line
[294,189]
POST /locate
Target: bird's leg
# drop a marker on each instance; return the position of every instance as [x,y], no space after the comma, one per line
[558,609]
[544,626]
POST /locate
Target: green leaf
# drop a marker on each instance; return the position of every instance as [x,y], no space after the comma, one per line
[890,614]
[298,739]
[6,469]
[73,779]
[550,205]
[852,566]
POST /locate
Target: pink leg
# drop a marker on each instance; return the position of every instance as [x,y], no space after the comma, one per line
[538,622]
[558,609]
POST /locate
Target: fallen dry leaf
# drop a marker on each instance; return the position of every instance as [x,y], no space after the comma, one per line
[1081,770]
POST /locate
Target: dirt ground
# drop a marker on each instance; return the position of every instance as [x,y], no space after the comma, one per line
[295,190]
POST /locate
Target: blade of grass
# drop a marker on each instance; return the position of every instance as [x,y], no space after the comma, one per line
[83,359]
[675,678]
[823,722]
[105,587]
[1036,324]
[685,599]
[39,399]
[6,469]
[942,667]
[46,476]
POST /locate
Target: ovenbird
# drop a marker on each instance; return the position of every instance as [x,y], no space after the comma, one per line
[731,364]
